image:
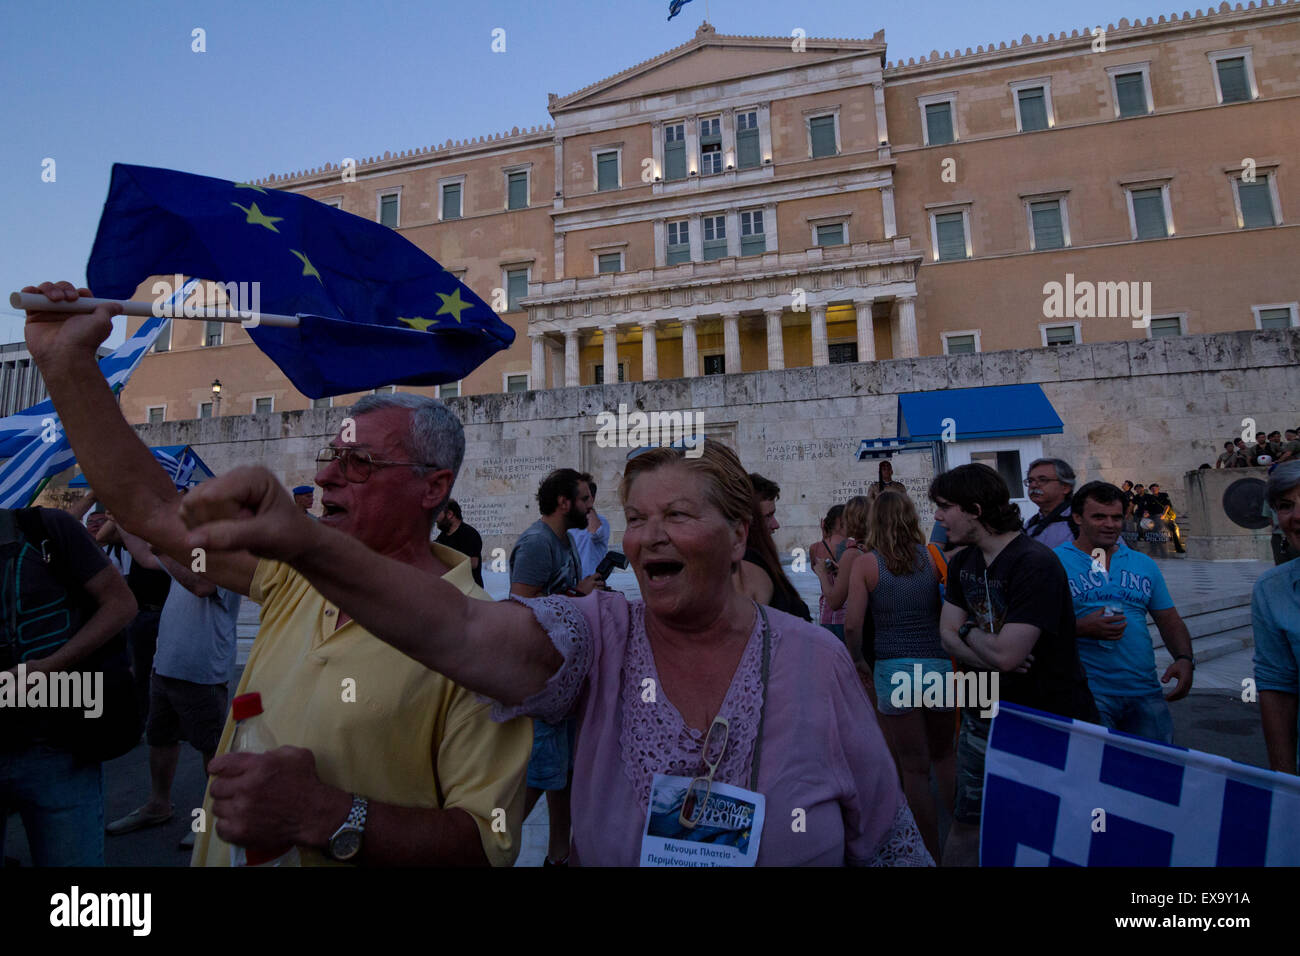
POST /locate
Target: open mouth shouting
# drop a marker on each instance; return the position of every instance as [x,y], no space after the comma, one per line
[661,570]
[332,511]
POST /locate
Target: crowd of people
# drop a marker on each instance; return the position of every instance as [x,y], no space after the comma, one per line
[1270,448]
[710,704]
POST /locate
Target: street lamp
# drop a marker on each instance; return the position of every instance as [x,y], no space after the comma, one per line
[216,397]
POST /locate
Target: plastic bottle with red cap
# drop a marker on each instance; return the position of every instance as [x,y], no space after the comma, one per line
[252,736]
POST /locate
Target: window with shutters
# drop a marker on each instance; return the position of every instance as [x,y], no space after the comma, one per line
[839,353]
[1165,326]
[1148,212]
[1047,227]
[326,402]
[213,332]
[961,343]
[821,136]
[1281,316]
[1234,77]
[516,383]
[714,364]
[205,409]
[1054,335]
[679,243]
[156,413]
[607,170]
[388,210]
[674,151]
[263,405]
[938,118]
[949,233]
[164,341]
[1255,202]
[715,236]
[1033,100]
[1131,89]
[449,390]
[599,375]
[753,238]
[516,288]
[710,146]
[449,199]
[829,234]
[747,140]
[517,189]
[609,262]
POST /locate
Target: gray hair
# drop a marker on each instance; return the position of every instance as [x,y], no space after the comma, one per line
[1063,470]
[436,435]
[1282,479]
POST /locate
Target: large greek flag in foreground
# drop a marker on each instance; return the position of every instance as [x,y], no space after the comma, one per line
[1047,778]
[33,439]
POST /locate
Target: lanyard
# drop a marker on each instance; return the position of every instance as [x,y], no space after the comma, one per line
[762,708]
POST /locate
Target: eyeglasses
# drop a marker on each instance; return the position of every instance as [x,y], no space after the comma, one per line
[357,466]
[697,794]
[1030,482]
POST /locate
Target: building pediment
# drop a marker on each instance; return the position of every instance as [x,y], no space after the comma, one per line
[711,58]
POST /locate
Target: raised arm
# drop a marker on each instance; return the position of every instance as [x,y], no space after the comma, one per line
[495,649]
[123,472]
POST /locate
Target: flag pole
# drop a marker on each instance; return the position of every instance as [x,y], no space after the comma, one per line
[35,302]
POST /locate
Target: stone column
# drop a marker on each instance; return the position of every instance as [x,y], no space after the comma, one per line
[866,332]
[690,351]
[538,342]
[907,347]
[556,355]
[696,232]
[882,127]
[733,232]
[731,342]
[611,353]
[775,343]
[649,352]
[571,376]
[820,351]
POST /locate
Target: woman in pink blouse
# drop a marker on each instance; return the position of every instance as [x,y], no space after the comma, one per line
[649,680]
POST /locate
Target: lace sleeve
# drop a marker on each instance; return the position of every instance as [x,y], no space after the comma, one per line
[902,845]
[568,630]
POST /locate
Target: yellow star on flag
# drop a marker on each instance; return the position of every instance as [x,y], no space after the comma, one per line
[419,323]
[452,304]
[307,268]
[250,186]
[258,218]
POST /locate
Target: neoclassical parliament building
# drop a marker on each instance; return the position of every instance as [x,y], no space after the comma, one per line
[745,203]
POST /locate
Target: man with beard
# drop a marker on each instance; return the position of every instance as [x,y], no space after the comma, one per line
[544,562]
[457,535]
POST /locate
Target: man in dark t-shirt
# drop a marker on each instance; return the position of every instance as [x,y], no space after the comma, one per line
[457,535]
[1007,612]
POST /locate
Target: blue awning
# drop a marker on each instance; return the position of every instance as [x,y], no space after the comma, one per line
[996,411]
[181,463]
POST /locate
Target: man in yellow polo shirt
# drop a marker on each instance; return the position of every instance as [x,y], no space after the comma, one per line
[381,761]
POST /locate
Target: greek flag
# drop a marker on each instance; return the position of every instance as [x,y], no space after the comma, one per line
[675,7]
[1061,792]
[33,439]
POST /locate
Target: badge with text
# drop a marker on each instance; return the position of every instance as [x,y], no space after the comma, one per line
[726,831]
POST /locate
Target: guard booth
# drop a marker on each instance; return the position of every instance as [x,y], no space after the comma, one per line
[1001,426]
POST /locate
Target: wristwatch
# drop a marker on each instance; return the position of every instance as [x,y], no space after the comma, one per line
[964,631]
[345,844]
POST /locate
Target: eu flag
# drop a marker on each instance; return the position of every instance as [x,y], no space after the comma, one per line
[374,309]
[675,7]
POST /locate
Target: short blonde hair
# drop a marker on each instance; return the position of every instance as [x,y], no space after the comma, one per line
[856,513]
[727,484]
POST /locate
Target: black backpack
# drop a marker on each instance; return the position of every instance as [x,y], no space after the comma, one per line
[41,608]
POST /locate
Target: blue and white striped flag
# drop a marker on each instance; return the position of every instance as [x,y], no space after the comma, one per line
[1061,792]
[33,439]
